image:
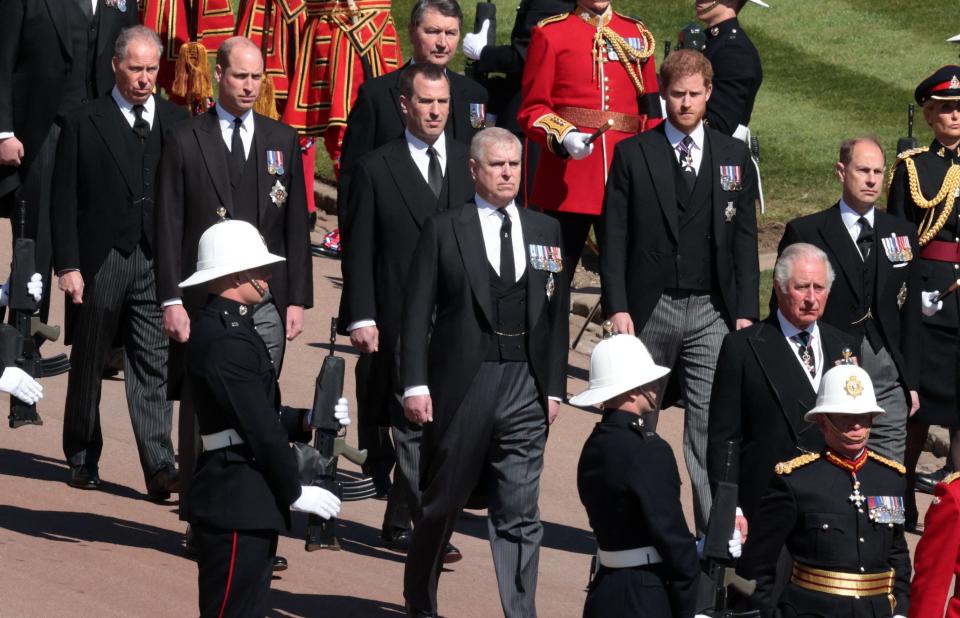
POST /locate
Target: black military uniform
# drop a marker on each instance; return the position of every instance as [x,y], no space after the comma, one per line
[241,494]
[628,482]
[842,521]
[737,76]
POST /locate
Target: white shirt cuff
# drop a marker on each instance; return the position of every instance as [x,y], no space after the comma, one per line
[361,324]
[6,134]
[557,399]
[171,301]
[413,391]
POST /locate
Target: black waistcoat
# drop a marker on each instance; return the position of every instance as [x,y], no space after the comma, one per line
[80,81]
[143,158]
[246,193]
[868,269]
[694,254]
[509,342]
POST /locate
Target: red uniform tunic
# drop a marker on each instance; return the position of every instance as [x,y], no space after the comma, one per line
[285,18]
[335,40]
[575,77]
[936,563]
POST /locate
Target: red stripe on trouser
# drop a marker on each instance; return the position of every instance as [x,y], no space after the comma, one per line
[233,558]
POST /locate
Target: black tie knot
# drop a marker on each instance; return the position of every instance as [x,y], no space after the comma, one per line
[140,126]
[865,238]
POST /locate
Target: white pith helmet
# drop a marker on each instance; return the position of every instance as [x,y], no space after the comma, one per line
[618,364]
[228,247]
[845,389]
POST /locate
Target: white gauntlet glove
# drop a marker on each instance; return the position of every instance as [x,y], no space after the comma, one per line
[34,288]
[473,44]
[576,145]
[318,501]
[736,544]
[927,305]
[341,411]
[18,383]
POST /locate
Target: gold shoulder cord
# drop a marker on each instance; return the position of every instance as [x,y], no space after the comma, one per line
[628,56]
[896,465]
[929,225]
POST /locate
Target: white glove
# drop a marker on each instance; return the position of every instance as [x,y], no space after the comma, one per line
[473,44]
[736,544]
[318,501]
[18,383]
[35,286]
[341,411]
[576,144]
[927,305]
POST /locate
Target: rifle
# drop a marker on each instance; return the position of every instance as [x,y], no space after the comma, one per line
[329,441]
[716,552]
[485,10]
[18,348]
[906,143]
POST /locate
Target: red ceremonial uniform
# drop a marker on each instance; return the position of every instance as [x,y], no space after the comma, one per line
[285,16]
[936,563]
[581,70]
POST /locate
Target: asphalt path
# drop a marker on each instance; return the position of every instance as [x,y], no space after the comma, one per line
[65,551]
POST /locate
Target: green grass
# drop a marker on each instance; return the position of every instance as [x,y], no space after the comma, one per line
[832,69]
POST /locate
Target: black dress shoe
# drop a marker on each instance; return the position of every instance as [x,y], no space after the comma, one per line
[451,554]
[398,541]
[164,481]
[279,564]
[926,482]
[83,477]
[190,544]
[418,613]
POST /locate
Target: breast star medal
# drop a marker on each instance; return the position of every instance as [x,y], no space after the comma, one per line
[729,212]
[278,194]
[551,286]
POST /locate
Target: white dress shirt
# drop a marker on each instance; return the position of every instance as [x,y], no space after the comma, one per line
[851,219]
[789,331]
[246,128]
[126,107]
[675,136]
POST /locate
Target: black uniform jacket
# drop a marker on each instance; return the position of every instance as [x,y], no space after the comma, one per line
[376,119]
[809,510]
[194,182]
[737,75]
[639,227]
[35,53]
[932,167]
[249,486]
[628,482]
[384,229]
[448,314]
[899,322]
[760,394]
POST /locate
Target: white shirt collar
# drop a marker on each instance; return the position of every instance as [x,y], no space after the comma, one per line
[421,146]
[226,119]
[851,217]
[789,330]
[489,210]
[148,106]
[675,135]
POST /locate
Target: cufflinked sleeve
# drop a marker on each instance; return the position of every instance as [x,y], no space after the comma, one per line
[537,117]
[746,259]
[168,218]
[612,234]
[725,412]
[299,262]
[64,207]
[559,328]
[360,249]
[419,301]
[11,22]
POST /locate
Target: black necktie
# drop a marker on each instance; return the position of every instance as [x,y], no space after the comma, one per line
[140,126]
[802,340]
[865,239]
[434,173]
[237,156]
[685,149]
[87,7]
[508,271]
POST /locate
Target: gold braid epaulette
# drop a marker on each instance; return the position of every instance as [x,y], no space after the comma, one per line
[786,467]
[929,227]
[951,477]
[629,57]
[552,19]
[888,462]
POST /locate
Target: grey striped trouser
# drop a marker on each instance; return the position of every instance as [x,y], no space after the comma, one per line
[888,436]
[684,333]
[122,298]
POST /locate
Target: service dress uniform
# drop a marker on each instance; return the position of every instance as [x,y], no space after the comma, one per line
[247,476]
[842,521]
[582,70]
[937,559]
[737,75]
[628,482]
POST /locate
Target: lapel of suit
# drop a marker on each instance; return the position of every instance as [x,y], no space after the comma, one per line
[107,119]
[536,279]
[881,266]
[783,373]
[657,153]
[835,235]
[474,256]
[413,189]
[718,156]
[57,10]
[450,130]
[210,140]
[458,174]
[258,149]
[394,92]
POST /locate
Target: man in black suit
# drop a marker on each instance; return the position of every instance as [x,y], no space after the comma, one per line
[877,297]
[678,248]
[767,379]
[54,55]
[231,162]
[107,160]
[428,171]
[486,375]
[376,117]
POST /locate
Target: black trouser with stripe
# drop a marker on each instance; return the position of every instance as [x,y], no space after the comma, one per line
[234,569]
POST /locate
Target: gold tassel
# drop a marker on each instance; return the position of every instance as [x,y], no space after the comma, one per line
[266,103]
[191,79]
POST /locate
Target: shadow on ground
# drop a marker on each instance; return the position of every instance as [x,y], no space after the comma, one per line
[555,536]
[43,468]
[298,604]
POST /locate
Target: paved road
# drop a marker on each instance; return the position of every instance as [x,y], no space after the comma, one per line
[113,553]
